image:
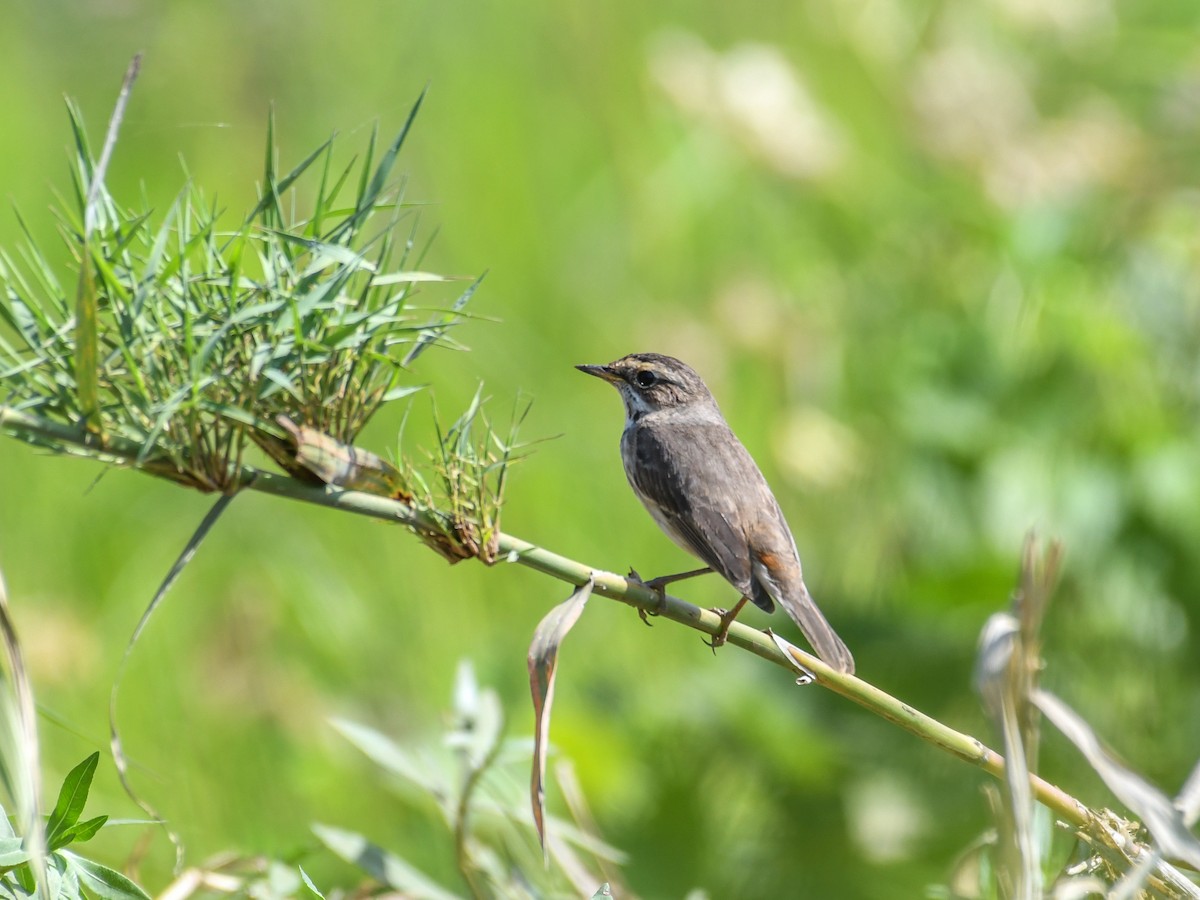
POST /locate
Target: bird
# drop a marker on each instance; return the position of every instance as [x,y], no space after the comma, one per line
[704,490]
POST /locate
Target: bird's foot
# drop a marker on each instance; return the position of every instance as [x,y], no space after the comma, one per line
[722,635]
[727,617]
[656,585]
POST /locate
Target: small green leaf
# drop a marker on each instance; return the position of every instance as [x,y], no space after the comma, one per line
[12,852]
[309,884]
[71,798]
[406,278]
[24,876]
[103,882]
[272,190]
[62,881]
[543,666]
[77,834]
[6,826]
[402,391]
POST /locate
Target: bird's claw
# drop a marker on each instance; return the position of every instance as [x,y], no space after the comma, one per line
[659,589]
[722,635]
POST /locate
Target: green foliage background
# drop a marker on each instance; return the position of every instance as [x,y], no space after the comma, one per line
[938,262]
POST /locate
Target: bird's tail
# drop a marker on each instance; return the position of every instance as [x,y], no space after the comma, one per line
[803,610]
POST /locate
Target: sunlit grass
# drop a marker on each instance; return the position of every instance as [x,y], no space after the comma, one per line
[204,335]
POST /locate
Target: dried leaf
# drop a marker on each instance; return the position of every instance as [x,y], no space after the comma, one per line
[319,455]
[998,669]
[789,651]
[1160,816]
[543,661]
[1188,800]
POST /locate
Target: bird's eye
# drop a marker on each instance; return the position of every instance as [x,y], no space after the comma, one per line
[645,378]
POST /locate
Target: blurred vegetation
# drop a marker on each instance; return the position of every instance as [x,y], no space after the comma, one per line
[939,264]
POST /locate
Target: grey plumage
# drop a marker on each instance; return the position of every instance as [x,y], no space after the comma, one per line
[707,494]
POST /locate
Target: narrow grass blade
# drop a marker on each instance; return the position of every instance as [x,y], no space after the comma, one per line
[543,665]
[118,751]
[369,196]
[86,363]
[271,192]
[435,332]
[407,278]
[87,383]
[22,767]
[96,187]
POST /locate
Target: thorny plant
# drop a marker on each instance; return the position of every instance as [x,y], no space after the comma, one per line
[188,340]
[185,344]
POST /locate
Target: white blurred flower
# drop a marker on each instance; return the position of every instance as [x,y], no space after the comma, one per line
[1092,146]
[887,817]
[750,311]
[753,96]
[970,101]
[813,449]
[1180,101]
[1068,18]
[975,108]
[882,29]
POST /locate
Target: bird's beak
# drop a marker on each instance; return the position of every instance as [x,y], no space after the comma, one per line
[604,372]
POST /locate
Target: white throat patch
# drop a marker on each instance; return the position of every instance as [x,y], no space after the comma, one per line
[635,404]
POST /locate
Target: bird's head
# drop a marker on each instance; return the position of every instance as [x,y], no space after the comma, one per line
[649,382]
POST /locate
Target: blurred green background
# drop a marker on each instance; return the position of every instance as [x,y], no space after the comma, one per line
[939,262]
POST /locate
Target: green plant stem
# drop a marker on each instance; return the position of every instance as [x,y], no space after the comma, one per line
[607,584]
[633,593]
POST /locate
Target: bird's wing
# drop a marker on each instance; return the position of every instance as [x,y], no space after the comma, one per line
[689,499]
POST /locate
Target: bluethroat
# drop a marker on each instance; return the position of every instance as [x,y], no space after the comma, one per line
[705,491]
